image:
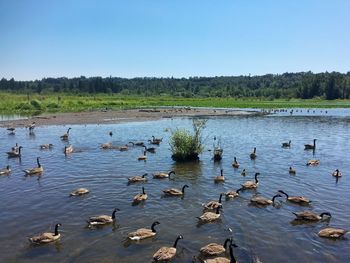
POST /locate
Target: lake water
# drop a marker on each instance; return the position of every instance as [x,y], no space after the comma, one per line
[30,205]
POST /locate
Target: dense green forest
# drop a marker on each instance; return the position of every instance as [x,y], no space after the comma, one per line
[305,85]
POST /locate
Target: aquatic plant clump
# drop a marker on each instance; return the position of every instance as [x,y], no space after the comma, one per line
[186,146]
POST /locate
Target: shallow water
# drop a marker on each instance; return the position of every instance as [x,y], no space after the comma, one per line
[30,205]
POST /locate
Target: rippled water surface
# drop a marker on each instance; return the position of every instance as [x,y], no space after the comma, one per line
[30,205]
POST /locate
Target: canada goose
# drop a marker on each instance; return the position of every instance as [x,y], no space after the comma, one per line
[35,170]
[331,232]
[140,197]
[68,149]
[107,145]
[79,191]
[139,144]
[222,259]
[310,216]
[163,175]
[143,157]
[151,149]
[65,136]
[233,194]
[258,200]
[174,191]
[310,146]
[102,219]
[165,254]
[15,154]
[143,233]
[337,173]
[213,204]
[214,249]
[220,178]
[251,184]
[5,171]
[291,170]
[125,147]
[210,216]
[137,178]
[11,130]
[31,127]
[154,139]
[46,237]
[253,154]
[296,199]
[243,173]
[46,146]
[286,144]
[15,148]
[154,142]
[313,162]
[235,164]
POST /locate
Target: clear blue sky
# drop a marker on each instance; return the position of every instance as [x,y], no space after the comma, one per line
[180,38]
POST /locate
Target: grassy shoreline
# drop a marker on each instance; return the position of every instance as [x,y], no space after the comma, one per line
[37,103]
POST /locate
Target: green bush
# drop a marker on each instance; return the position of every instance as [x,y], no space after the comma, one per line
[36,104]
[24,106]
[186,146]
[52,105]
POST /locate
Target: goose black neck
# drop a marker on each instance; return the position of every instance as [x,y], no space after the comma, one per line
[233,259]
[113,214]
[37,161]
[56,229]
[177,240]
[19,150]
[183,188]
[254,150]
[226,241]
[68,130]
[218,210]
[143,176]
[256,178]
[222,172]
[220,198]
[235,160]
[152,227]
[238,190]
[143,190]
[282,192]
[170,173]
[274,197]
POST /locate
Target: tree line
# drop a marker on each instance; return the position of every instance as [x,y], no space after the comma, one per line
[305,85]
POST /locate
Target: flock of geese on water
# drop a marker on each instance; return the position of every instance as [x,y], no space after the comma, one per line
[211,212]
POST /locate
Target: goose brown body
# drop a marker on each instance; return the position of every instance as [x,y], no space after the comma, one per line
[296,199]
[142,157]
[15,152]
[210,216]
[102,219]
[331,232]
[107,145]
[214,249]
[46,146]
[313,162]
[79,191]
[35,170]
[68,149]
[174,191]
[235,164]
[310,216]
[140,197]
[251,184]
[137,178]
[220,178]
[162,175]
[65,136]
[263,201]
[165,254]
[46,237]
[213,204]
[5,171]
[143,233]
[233,194]
[337,173]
